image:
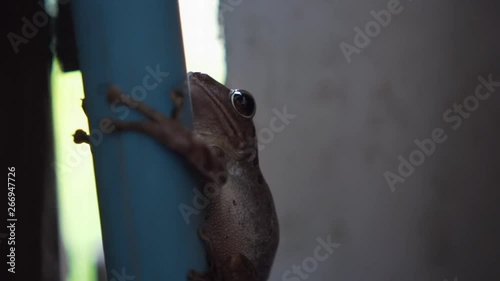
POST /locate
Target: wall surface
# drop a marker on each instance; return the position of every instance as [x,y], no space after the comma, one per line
[333,166]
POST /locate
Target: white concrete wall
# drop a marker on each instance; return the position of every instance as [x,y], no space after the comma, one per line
[354,119]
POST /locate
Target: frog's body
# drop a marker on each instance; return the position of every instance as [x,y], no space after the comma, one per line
[241,228]
[243,220]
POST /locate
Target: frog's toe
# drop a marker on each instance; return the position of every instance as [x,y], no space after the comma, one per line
[203,234]
[80,136]
[195,275]
[177,97]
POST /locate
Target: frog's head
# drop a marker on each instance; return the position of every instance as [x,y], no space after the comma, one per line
[221,113]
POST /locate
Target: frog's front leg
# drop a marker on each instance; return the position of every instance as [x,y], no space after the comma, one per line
[172,134]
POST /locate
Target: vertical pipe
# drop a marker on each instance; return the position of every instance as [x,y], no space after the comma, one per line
[137,45]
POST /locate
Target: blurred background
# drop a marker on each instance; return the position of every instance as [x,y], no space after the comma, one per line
[389,146]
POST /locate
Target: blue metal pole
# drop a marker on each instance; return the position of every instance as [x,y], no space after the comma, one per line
[137,45]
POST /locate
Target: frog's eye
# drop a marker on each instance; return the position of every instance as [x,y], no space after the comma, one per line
[243,103]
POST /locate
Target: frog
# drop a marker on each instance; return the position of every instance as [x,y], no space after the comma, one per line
[240,230]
